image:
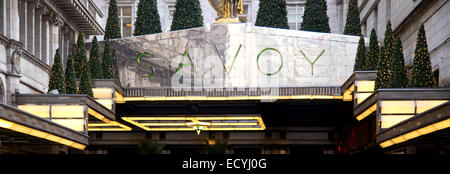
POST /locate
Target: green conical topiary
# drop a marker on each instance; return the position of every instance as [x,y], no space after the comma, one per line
[112,29]
[373,53]
[80,55]
[116,68]
[147,21]
[272,13]
[85,82]
[315,17]
[107,62]
[57,75]
[188,14]
[71,81]
[353,24]
[82,68]
[384,67]
[421,74]
[398,69]
[360,61]
[94,61]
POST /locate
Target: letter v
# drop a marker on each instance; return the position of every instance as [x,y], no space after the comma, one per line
[223,62]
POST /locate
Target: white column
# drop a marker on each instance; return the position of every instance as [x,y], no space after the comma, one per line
[56,27]
[3,16]
[30,26]
[45,39]
[37,32]
[66,49]
[51,34]
[12,22]
[61,40]
[23,21]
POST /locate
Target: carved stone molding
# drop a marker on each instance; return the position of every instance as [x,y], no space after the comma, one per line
[10,43]
[36,61]
[15,44]
[15,61]
[68,32]
[4,40]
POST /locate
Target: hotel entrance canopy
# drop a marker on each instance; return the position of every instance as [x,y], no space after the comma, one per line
[17,126]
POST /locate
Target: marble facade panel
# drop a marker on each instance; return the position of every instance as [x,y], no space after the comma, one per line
[214,49]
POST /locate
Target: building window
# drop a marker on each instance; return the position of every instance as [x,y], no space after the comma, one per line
[245,17]
[295,16]
[125,21]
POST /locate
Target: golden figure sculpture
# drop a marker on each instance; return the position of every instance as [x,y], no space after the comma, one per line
[228,10]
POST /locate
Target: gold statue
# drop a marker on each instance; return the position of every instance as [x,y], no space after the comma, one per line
[228,10]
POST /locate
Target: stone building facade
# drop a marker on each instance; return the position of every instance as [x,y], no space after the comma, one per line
[31,31]
[406,17]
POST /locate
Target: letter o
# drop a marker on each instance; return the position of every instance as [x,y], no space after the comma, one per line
[273,73]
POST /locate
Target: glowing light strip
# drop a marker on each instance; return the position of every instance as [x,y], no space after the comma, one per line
[348,94]
[98,115]
[202,98]
[37,133]
[367,112]
[191,118]
[206,128]
[135,123]
[112,123]
[197,123]
[118,97]
[212,124]
[416,133]
[133,120]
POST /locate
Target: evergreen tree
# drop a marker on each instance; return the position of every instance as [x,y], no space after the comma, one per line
[421,74]
[94,61]
[188,14]
[57,75]
[315,17]
[112,29]
[107,62]
[272,13]
[384,67]
[80,55]
[71,81]
[374,51]
[116,68]
[82,68]
[398,69]
[352,24]
[147,21]
[360,61]
[85,82]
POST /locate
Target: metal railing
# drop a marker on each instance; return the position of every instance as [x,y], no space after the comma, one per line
[283,91]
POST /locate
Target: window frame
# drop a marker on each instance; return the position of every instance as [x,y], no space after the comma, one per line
[121,18]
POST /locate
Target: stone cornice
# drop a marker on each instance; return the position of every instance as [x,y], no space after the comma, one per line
[10,43]
[4,40]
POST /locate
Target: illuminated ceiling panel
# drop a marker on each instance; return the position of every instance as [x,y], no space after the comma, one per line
[202,122]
